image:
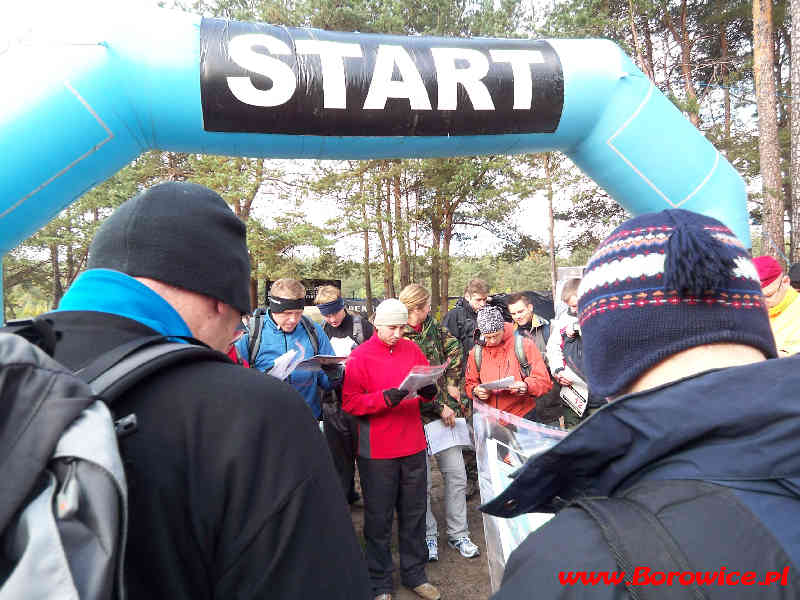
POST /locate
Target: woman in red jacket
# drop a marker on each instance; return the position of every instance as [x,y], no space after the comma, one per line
[391,450]
[500,360]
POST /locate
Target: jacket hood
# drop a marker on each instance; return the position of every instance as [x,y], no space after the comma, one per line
[738,425]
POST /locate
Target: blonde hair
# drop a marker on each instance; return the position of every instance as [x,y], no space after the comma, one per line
[290,289]
[414,296]
[570,288]
[327,293]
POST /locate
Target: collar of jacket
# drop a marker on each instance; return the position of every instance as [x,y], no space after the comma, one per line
[412,333]
[736,425]
[107,291]
[791,296]
[536,322]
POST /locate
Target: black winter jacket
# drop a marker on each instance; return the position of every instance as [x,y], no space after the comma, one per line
[461,321]
[230,481]
[735,428]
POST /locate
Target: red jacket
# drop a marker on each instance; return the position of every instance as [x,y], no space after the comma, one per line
[373,367]
[501,361]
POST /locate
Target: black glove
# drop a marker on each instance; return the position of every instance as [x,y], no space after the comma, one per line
[393,396]
[335,374]
[429,391]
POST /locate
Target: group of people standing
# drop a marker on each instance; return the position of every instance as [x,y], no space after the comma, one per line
[231,488]
[369,422]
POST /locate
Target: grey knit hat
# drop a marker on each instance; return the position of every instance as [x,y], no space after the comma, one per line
[391,312]
[181,234]
[490,320]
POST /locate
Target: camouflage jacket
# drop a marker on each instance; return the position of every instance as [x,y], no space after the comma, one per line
[438,345]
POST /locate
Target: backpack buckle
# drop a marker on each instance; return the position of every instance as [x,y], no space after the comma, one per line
[126,425]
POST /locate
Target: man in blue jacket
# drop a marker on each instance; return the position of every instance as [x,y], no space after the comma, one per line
[284,329]
[698,448]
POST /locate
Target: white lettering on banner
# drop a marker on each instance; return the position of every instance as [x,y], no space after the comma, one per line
[247,52]
[382,87]
[450,76]
[242,51]
[521,61]
[331,56]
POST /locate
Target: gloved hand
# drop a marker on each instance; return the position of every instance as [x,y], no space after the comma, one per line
[429,391]
[393,397]
[335,374]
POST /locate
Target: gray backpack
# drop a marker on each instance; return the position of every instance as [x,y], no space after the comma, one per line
[63,497]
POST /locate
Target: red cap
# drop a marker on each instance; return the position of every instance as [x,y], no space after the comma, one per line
[768,269]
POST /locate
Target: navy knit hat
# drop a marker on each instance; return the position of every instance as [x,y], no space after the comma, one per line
[662,283]
[182,234]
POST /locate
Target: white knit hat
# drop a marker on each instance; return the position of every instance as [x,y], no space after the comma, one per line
[391,312]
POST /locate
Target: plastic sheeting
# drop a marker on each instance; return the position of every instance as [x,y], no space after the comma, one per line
[503,443]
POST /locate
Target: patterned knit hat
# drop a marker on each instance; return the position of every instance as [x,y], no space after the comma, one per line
[490,319]
[662,283]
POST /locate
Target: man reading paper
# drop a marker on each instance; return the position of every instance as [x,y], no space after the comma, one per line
[391,450]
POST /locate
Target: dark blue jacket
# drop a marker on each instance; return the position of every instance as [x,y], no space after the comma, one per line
[738,427]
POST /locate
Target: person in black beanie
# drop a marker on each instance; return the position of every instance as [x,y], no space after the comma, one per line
[228,476]
[693,468]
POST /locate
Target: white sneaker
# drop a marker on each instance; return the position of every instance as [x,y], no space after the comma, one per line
[465,546]
[433,549]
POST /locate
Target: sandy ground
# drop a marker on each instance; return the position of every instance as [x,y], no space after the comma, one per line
[456,577]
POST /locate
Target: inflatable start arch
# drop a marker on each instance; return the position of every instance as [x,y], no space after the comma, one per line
[73,112]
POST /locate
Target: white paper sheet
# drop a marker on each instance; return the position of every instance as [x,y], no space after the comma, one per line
[422,375]
[316,362]
[441,437]
[343,346]
[285,364]
[499,384]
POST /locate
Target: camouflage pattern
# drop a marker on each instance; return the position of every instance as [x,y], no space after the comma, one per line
[437,344]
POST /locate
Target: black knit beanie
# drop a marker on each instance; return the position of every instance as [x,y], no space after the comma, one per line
[181,234]
[662,283]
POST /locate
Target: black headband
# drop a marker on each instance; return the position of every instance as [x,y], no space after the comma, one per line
[279,305]
[331,308]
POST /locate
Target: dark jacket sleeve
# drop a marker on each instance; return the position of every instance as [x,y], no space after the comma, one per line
[283,527]
[571,542]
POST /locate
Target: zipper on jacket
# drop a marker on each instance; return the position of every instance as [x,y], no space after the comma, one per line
[68,496]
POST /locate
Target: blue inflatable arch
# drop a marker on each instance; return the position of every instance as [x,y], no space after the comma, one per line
[72,114]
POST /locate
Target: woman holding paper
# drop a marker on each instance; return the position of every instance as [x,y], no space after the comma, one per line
[439,345]
[391,450]
[499,361]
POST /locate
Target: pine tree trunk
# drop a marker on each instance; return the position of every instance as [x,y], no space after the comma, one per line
[794,123]
[401,233]
[436,233]
[365,233]
[769,153]
[58,290]
[726,93]
[447,236]
[387,281]
[551,223]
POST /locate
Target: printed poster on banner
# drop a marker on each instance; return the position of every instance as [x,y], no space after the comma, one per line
[503,443]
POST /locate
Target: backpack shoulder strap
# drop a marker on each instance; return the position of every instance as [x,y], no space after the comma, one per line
[636,537]
[256,328]
[478,357]
[519,350]
[358,329]
[308,324]
[112,381]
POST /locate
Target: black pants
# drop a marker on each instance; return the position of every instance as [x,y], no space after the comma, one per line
[389,484]
[341,435]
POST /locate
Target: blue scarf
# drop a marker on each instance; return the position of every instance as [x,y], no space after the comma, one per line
[104,290]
